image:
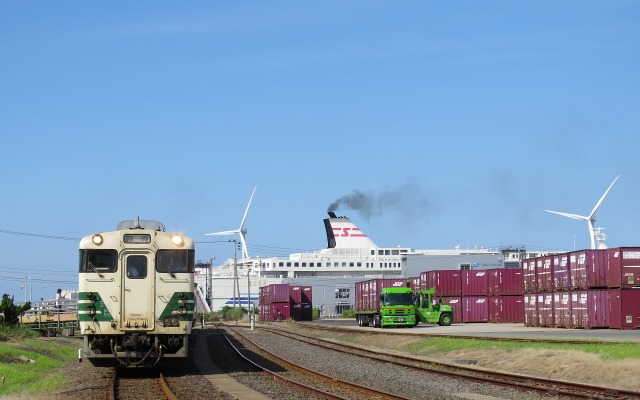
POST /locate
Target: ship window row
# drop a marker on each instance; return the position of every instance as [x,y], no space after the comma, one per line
[296,264]
[388,252]
[384,265]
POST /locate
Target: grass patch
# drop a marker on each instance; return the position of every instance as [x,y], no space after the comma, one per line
[607,351]
[33,378]
[7,332]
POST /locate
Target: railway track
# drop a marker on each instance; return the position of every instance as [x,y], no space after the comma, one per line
[309,381]
[142,384]
[318,327]
[525,383]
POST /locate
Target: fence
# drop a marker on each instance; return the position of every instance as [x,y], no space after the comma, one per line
[44,316]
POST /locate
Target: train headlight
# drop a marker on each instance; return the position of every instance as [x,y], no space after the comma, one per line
[171,321]
[177,240]
[97,239]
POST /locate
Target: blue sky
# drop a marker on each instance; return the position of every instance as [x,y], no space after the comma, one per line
[464,121]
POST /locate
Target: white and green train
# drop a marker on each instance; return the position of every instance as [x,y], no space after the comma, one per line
[136,295]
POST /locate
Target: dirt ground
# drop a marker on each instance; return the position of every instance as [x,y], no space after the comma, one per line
[564,365]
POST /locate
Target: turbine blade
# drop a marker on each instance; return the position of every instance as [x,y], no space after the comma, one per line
[602,198]
[247,210]
[223,233]
[245,253]
[574,216]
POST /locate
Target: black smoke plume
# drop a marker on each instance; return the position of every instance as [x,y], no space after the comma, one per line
[409,200]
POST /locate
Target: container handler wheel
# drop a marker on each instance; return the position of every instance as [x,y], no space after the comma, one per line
[445,319]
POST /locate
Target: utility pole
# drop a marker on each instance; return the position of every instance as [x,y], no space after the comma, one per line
[235,270]
[210,283]
[30,288]
[249,301]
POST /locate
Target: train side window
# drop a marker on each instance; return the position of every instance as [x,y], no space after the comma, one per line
[175,261]
[136,267]
[98,261]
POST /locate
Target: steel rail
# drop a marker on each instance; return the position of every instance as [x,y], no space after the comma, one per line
[112,386]
[521,382]
[454,336]
[165,388]
[351,386]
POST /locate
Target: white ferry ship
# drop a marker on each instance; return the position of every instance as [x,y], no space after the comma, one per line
[350,256]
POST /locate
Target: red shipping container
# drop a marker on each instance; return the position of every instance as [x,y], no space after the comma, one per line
[545,309]
[506,309]
[506,282]
[529,278]
[475,309]
[368,292]
[307,294]
[445,282]
[623,267]
[456,305]
[544,274]
[588,269]
[531,309]
[277,293]
[561,281]
[279,312]
[475,282]
[624,308]
[561,310]
[300,294]
[360,291]
[295,294]
[577,277]
[590,308]
[414,282]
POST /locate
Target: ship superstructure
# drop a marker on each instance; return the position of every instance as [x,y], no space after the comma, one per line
[350,256]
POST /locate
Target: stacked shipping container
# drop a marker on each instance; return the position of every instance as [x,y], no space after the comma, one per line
[488,295]
[506,289]
[589,289]
[281,301]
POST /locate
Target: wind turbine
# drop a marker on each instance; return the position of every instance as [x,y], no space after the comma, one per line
[241,230]
[591,218]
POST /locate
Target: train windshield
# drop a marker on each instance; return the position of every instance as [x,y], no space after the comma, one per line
[98,261]
[398,299]
[175,261]
[137,267]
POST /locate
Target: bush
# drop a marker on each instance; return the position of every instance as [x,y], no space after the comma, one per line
[349,314]
[233,314]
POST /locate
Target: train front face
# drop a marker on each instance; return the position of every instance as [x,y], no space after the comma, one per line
[136,297]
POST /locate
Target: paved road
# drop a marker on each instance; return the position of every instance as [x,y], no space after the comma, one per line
[501,330]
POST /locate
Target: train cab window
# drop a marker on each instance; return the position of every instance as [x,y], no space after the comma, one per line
[173,261]
[98,261]
[136,267]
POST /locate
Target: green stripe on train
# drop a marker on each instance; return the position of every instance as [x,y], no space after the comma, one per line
[182,308]
[95,310]
[92,309]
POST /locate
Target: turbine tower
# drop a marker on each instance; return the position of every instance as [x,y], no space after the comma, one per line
[242,231]
[591,218]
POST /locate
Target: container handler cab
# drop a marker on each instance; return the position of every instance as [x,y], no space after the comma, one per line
[395,305]
[426,311]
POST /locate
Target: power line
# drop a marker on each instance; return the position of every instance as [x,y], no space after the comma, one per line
[38,235]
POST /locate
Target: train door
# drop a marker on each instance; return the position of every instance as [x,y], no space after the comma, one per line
[138,292]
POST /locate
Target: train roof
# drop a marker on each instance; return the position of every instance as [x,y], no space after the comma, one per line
[141,224]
